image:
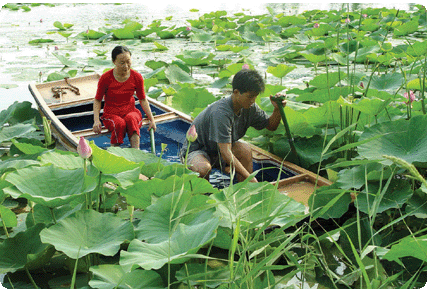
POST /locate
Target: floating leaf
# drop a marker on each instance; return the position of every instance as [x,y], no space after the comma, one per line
[88,231]
[281,70]
[386,81]
[329,80]
[40,41]
[175,74]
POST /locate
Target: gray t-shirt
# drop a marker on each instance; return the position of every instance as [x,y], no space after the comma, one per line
[219,124]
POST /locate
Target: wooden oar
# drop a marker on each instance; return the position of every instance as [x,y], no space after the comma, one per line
[278,99]
[153,144]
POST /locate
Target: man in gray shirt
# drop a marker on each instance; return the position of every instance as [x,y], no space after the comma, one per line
[220,126]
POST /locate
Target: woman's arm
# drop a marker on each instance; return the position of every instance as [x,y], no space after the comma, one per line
[146,108]
[96,111]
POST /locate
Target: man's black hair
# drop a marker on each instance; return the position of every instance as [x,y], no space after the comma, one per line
[248,80]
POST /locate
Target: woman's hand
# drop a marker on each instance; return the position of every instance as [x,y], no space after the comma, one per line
[152,125]
[279,95]
[97,127]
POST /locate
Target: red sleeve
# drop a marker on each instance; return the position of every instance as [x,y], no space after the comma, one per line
[102,87]
[140,92]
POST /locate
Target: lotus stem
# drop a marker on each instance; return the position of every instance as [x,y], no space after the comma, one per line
[4,227]
[31,278]
[53,215]
[186,154]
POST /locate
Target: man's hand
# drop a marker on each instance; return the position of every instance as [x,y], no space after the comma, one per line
[278,96]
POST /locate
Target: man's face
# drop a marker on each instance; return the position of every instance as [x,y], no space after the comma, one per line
[247,99]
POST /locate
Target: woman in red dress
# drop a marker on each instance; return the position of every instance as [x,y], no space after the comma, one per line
[118,86]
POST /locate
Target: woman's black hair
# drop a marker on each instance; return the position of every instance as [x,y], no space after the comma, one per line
[118,50]
[248,80]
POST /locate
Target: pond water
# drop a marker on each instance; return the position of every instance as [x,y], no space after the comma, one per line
[21,63]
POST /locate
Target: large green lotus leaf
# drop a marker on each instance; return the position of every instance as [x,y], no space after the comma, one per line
[416,84]
[24,249]
[62,159]
[173,169]
[201,37]
[402,138]
[184,243]
[160,221]
[410,246]
[324,95]
[7,217]
[43,214]
[323,198]
[15,131]
[175,74]
[143,193]
[406,28]
[397,194]
[357,176]
[324,81]
[254,202]
[88,231]
[187,99]
[109,163]
[13,164]
[28,148]
[281,70]
[391,81]
[196,58]
[299,125]
[371,106]
[19,112]
[114,277]
[213,277]
[49,185]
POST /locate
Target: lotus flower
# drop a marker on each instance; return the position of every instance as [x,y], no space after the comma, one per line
[192,134]
[316,25]
[362,85]
[365,15]
[56,48]
[84,149]
[246,66]
[188,28]
[347,20]
[410,97]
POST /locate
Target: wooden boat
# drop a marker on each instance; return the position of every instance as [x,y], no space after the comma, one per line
[71,116]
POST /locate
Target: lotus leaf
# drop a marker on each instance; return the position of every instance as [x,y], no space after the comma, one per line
[281,70]
[324,81]
[7,217]
[43,214]
[355,178]
[417,84]
[324,95]
[109,163]
[65,61]
[409,246]
[66,160]
[406,28]
[184,243]
[175,74]
[19,112]
[12,164]
[93,35]
[28,148]
[114,277]
[88,231]
[40,184]
[40,41]
[15,131]
[196,58]
[199,274]
[24,250]
[403,139]
[254,202]
[160,221]
[397,194]
[386,81]
[187,99]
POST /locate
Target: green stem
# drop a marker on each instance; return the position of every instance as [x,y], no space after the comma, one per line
[4,227]
[31,278]
[186,154]
[53,215]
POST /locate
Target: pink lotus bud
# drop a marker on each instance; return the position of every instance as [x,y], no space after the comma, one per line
[188,28]
[410,97]
[347,20]
[56,48]
[245,66]
[316,25]
[362,85]
[365,15]
[84,149]
[192,134]
[41,20]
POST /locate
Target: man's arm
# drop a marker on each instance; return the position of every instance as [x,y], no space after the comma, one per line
[232,161]
[275,118]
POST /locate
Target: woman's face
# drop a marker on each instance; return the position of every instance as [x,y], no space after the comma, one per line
[123,62]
